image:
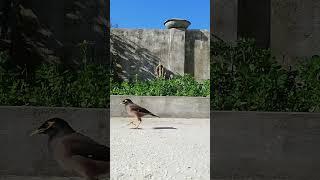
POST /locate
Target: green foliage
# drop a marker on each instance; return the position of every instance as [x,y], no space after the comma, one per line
[57,86]
[247,78]
[53,85]
[305,95]
[177,86]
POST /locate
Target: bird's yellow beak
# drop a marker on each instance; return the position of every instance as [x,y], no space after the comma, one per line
[37,131]
[41,130]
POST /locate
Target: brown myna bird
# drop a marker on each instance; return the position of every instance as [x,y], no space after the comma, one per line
[75,152]
[136,111]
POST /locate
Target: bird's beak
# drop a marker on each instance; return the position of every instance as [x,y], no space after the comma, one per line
[37,131]
[41,130]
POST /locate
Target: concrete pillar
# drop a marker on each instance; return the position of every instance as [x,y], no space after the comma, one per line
[186,50]
[225,19]
[234,19]
[198,54]
[177,44]
[176,55]
[290,28]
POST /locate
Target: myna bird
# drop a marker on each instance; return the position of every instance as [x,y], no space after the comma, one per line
[74,151]
[136,111]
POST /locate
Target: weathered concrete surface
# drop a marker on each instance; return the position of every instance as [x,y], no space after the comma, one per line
[165,106]
[295,26]
[235,19]
[196,58]
[176,55]
[165,148]
[225,19]
[22,155]
[44,177]
[254,21]
[266,145]
[139,51]
[38,178]
[289,27]
[50,31]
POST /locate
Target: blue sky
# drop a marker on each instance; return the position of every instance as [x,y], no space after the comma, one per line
[151,14]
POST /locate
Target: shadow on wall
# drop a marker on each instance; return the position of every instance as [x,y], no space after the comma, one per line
[191,37]
[50,31]
[131,61]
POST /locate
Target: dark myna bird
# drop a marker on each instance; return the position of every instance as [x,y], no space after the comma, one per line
[74,151]
[136,111]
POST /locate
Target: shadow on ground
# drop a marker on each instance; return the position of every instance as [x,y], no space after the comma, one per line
[164,128]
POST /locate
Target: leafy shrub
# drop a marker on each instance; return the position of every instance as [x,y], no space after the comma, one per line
[247,78]
[89,86]
[305,94]
[54,85]
[177,86]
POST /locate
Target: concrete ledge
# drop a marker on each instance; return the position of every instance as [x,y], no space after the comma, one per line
[266,144]
[22,155]
[38,178]
[165,106]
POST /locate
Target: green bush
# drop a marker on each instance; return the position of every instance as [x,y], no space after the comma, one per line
[305,94]
[243,77]
[53,85]
[89,86]
[177,86]
[247,78]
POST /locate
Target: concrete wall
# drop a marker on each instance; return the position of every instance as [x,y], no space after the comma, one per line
[165,106]
[254,21]
[295,26]
[197,56]
[263,144]
[289,27]
[225,19]
[139,51]
[23,155]
[242,19]
[51,31]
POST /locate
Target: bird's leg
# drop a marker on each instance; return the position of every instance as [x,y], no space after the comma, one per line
[139,123]
[131,122]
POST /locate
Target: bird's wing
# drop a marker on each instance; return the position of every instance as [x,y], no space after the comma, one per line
[137,108]
[78,144]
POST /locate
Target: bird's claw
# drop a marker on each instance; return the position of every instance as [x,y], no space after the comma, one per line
[138,125]
[131,123]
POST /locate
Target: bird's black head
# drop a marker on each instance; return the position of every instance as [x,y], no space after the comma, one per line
[53,127]
[127,101]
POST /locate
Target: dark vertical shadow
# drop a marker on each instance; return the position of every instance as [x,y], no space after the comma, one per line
[105,12]
[191,37]
[189,53]
[5,8]
[254,21]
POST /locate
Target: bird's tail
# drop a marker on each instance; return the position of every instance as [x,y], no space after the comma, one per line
[154,115]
